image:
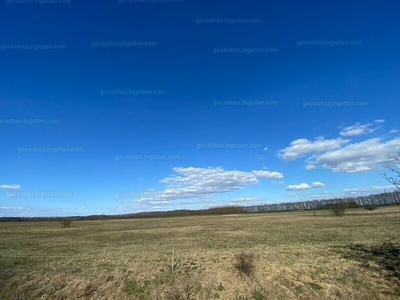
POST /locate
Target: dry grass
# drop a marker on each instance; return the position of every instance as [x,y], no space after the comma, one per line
[296,256]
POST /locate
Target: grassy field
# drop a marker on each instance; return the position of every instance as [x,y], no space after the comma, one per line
[297,255]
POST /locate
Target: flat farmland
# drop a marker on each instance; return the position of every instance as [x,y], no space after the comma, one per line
[295,255]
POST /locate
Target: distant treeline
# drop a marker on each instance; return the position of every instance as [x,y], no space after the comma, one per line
[382,199]
[350,202]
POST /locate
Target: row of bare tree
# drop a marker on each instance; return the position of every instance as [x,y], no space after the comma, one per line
[365,201]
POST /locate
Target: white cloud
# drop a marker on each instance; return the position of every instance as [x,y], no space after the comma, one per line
[161,202]
[203,183]
[317,184]
[302,147]
[14,208]
[311,197]
[14,211]
[304,186]
[356,130]
[373,190]
[311,167]
[268,175]
[298,187]
[266,148]
[380,121]
[10,186]
[277,182]
[372,154]
[244,201]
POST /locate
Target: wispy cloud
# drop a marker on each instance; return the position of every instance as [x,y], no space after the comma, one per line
[372,154]
[340,155]
[302,147]
[372,190]
[20,208]
[356,130]
[22,211]
[204,183]
[10,187]
[277,182]
[242,201]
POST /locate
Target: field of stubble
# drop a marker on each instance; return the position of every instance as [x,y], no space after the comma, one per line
[296,256]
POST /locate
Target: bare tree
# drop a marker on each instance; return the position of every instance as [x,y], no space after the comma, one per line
[396,179]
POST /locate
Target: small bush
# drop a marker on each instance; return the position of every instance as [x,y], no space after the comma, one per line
[245,264]
[187,287]
[338,210]
[66,223]
[352,204]
[315,286]
[370,207]
[257,295]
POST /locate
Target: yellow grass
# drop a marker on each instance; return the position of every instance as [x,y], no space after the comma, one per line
[296,256]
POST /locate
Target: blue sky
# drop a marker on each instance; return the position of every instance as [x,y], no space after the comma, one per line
[120,107]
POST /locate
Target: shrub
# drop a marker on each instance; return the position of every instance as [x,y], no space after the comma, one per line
[66,223]
[245,264]
[370,207]
[187,287]
[352,204]
[338,209]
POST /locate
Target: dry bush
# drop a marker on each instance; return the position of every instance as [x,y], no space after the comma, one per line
[66,223]
[245,264]
[187,286]
[370,207]
[338,210]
